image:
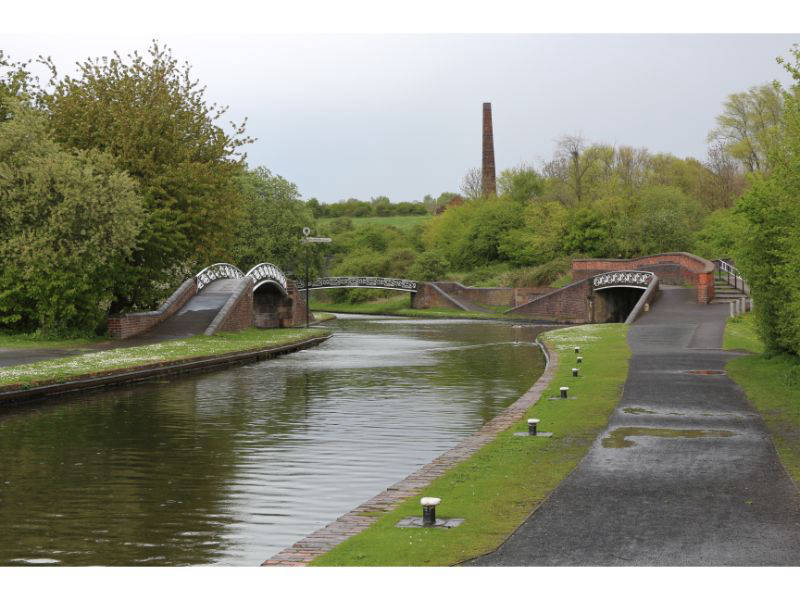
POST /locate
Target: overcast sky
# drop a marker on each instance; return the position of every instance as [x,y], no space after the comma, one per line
[400,115]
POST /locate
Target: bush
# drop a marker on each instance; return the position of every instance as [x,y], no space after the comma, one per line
[68,219]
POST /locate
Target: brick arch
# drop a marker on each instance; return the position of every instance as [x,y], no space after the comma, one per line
[672,268]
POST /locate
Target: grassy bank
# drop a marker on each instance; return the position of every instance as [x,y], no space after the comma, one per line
[401,222]
[108,361]
[772,384]
[741,334]
[499,486]
[26,341]
[399,306]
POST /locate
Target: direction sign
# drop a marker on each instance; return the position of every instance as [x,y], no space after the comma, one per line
[316,240]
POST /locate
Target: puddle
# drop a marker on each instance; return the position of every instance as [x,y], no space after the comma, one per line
[638,410]
[617,438]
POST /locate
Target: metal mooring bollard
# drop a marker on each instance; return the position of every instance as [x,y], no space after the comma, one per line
[564,391]
[577,349]
[574,372]
[579,360]
[532,423]
[429,510]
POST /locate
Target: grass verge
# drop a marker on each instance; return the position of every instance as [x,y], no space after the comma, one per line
[26,341]
[741,334]
[497,488]
[398,306]
[108,361]
[772,385]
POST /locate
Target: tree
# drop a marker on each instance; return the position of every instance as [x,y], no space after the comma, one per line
[272,225]
[769,255]
[67,219]
[521,184]
[471,184]
[750,124]
[153,118]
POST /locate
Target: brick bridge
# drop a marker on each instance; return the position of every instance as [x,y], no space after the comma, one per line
[223,298]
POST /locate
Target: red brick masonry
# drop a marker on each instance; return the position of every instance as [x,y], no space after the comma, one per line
[124,326]
[673,268]
[237,313]
[356,521]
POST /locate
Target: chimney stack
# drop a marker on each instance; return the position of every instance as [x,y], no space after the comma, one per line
[488,183]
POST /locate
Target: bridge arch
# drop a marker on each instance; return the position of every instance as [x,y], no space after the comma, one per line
[617,293]
[268,274]
[217,271]
[378,283]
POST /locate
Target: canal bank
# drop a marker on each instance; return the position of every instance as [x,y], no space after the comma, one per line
[493,479]
[40,380]
[230,467]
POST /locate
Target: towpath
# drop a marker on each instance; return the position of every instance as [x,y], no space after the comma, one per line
[685,473]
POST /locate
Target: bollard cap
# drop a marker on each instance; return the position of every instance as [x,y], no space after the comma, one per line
[577,348]
[532,421]
[580,358]
[429,501]
[564,389]
[574,369]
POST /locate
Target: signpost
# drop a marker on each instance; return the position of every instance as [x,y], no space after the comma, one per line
[310,240]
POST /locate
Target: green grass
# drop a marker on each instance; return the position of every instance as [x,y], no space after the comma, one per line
[399,306]
[772,385]
[34,341]
[95,363]
[404,222]
[499,486]
[741,334]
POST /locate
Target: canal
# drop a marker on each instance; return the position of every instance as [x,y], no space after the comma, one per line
[231,467]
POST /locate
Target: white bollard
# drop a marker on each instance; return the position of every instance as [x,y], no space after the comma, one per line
[733,310]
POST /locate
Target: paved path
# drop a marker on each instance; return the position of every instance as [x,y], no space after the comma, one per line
[721,499]
[192,319]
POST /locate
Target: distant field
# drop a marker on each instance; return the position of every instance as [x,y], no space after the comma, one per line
[406,222]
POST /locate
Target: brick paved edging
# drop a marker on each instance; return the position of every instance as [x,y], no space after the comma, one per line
[321,541]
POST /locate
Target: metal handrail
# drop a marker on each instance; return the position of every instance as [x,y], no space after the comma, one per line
[217,271]
[727,271]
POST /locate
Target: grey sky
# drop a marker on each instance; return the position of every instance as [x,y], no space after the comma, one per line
[400,115]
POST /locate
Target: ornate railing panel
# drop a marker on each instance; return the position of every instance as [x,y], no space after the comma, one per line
[217,271]
[636,279]
[267,272]
[388,283]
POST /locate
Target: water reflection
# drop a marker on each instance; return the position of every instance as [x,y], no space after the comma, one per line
[231,467]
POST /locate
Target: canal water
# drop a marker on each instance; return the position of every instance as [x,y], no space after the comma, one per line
[231,467]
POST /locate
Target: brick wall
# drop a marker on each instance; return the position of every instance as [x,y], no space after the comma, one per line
[432,296]
[570,304]
[675,268]
[127,325]
[237,313]
[294,313]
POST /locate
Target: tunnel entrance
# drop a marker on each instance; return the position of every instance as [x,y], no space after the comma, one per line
[272,308]
[614,304]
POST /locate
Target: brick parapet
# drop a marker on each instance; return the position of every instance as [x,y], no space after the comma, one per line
[237,313]
[357,520]
[570,304]
[675,268]
[127,325]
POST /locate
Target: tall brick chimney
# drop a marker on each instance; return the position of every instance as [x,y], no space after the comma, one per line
[488,183]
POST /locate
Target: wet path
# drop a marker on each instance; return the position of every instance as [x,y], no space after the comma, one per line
[685,474]
[233,466]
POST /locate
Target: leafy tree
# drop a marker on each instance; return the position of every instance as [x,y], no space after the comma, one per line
[769,255]
[723,231]
[430,266]
[750,125]
[271,227]
[521,184]
[153,118]
[67,218]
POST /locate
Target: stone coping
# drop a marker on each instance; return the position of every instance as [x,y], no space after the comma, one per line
[14,394]
[301,553]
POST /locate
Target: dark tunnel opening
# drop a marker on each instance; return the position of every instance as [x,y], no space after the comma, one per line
[613,305]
